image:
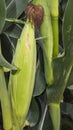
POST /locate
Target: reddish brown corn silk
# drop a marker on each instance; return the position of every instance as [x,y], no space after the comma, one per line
[35,14]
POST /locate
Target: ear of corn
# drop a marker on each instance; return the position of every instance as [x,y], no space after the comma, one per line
[53,6]
[46,31]
[21,84]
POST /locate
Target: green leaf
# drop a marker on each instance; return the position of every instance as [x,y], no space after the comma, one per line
[2,14]
[57,68]
[14,31]
[33,114]
[10,12]
[47,125]
[55,92]
[70,81]
[67,116]
[68,25]
[11,9]
[20,6]
[6,64]
[7,47]
[67,108]
[68,32]
[57,65]
[39,82]
[70,87]
[7,2]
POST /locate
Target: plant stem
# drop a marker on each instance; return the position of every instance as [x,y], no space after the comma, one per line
[5,104]
[13,20]
[53,5]
[46,30]
[54,110]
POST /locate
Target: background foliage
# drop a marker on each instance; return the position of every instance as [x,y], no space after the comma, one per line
[38,116]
